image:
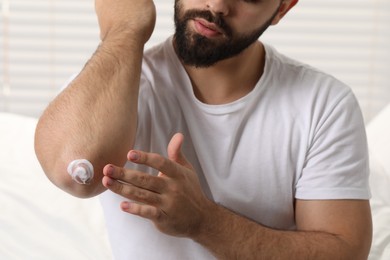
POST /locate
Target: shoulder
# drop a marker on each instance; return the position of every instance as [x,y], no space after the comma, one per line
[298,80]
[294,70]
[160,54]
[160,64]
[162,76]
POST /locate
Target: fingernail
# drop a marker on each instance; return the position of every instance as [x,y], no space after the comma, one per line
[109,182]
[133,156]
[110,170]
[125,205]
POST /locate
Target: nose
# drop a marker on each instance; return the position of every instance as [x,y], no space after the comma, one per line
[219,7]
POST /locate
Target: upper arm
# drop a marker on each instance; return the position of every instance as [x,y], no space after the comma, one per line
[349,220]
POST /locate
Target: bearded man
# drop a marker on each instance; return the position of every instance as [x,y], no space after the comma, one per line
[211,144]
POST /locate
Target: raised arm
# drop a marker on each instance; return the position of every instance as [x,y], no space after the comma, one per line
[95,117]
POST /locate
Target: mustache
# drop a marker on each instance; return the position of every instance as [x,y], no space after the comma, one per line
[208,16]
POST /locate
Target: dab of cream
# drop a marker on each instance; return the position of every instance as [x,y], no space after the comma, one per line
[81,171]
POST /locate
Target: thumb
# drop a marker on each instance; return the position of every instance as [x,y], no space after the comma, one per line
[174,150]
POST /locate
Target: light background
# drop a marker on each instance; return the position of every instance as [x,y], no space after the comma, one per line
[44,42]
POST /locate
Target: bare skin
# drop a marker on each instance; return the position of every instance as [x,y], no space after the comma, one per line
[96,116]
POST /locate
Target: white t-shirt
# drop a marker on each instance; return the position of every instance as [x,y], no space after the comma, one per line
[298,134]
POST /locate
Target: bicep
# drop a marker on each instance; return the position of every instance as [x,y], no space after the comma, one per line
[350,220]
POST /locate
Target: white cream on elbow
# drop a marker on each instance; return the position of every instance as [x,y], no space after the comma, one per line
[81,171]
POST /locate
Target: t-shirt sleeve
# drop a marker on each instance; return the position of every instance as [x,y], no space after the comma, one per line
[336,165]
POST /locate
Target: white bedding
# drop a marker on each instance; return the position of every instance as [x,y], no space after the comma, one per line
[39,221]
[378,132]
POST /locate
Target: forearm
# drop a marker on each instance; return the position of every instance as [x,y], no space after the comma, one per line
[230,236]
[94,118]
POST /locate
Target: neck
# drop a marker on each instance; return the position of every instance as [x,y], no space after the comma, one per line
[230,79]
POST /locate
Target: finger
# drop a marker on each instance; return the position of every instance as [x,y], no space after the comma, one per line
[174,150]
[136,178]
[142,210]
[155,161]
[132,192]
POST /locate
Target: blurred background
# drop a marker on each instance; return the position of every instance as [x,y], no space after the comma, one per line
[44,42]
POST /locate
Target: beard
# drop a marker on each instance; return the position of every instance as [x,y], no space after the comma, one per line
[197,50]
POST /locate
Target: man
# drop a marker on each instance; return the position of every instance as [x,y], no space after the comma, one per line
[274,161]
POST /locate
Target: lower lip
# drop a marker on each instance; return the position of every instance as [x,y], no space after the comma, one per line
[205,31]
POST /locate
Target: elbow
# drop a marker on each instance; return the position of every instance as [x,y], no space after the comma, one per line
[83,191]
[358,254]
[56,172]
[65,182]
[54,162]
[359,248]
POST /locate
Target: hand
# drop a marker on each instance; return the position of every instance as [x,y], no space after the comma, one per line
[173,200]
[117,17]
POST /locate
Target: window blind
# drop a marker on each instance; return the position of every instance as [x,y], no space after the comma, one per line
[348,39]
[44,42]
